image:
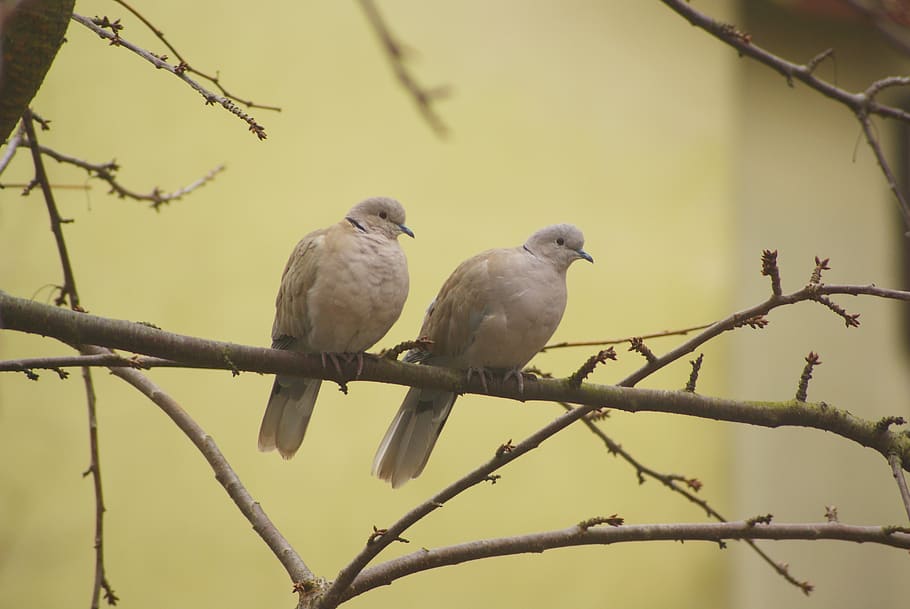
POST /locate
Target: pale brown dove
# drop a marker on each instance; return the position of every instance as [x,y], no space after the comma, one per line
[495,311]
[342,289]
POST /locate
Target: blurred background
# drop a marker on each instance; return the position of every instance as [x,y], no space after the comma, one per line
[679,160]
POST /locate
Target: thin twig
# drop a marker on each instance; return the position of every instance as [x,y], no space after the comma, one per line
[106,171]
[422,560]
[617,341]
[69,292]
[895,461]
[210,98]
[94,468]
[424,98]
[874,144]
[215,80]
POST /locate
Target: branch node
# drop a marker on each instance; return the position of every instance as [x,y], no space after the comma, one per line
[226,356]
[507,447]
[613,520]
[598,414]
[761,519]
[756,322]
[377,533]
[813,63]
[831,513]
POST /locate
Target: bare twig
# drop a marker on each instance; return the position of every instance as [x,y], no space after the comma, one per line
[106,171]
[755,317]
[617,341]
[94,468]
[895,462]
[69,292]
[590,364]
[424,98]
[638,345]
[210,98]
[876,147]
[185,65]
[385,573]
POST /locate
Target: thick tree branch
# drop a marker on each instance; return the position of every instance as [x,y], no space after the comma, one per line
[387,572]
[81,328]
[31,32]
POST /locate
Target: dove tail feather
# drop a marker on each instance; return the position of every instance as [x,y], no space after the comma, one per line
[288,414]
[406,447]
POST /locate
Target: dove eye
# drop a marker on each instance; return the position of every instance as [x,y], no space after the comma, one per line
[560,241]
[383,215]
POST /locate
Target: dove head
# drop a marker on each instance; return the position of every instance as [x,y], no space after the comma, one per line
[381,215]
[561,243]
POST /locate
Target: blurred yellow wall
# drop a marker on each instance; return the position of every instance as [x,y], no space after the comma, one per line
[616,116]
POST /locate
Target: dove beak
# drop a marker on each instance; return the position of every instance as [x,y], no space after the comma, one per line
[584,255]
[407,231]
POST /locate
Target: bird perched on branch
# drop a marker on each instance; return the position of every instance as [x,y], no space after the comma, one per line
[495,311]
[342,289]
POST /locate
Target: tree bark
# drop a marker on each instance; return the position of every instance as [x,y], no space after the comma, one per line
[31,32]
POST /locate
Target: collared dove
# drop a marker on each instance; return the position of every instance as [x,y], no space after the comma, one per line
[495,311]
[342,289]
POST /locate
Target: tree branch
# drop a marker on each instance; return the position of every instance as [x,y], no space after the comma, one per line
[673,483]
[106,171]
[422,560]
[178,71]
[81,328]
[215,80]
[424,98]
[69,291]
[862,104]
[898,474]
[224,473]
